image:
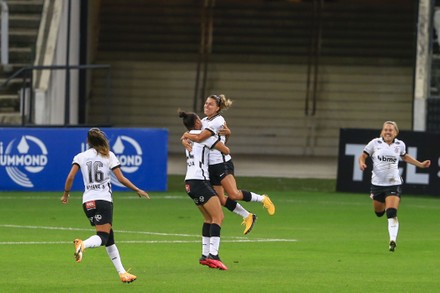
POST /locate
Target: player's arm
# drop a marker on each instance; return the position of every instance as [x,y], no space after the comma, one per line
[206,133]
[225,131]
[186,144]
[127,183]
[69,183]
[222,147]
[411,160]
[362,158]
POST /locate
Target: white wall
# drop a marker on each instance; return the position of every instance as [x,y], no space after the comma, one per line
[50,92]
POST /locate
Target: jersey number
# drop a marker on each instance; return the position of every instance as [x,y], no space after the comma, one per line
[95,175]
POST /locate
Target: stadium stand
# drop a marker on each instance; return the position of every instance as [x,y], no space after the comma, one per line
[259,59]
[24,20]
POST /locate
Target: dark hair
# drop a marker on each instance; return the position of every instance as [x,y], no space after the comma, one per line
[189,119]
[97,140]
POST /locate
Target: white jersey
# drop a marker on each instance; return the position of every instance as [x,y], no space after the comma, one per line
[197,159]
[96,171]
[385,161]
[214,124]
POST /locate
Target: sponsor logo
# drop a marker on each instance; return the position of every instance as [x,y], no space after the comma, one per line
[411,175]
[22,157]
[129,153]
[90,205]
[387,159]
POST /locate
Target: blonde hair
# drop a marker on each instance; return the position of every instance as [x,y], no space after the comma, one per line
[222,102]
[390,123]
[97,140]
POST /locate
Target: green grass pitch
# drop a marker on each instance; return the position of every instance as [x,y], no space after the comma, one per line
[318,241]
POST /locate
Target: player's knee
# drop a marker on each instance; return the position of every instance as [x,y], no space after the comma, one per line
[391,213]
[104,237]
[234,195]
[379,213]
[220,218]
[217,219]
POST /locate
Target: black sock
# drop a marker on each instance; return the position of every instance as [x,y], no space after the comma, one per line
[230,204]
[247,196]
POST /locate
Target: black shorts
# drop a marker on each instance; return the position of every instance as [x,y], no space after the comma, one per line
[99,212]
[199,190]
[219,171]
[379,193]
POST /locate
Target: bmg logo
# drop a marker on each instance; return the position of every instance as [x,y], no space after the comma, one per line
[412,177]
[23,156]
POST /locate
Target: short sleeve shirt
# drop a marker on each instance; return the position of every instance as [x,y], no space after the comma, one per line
[214,124]
[385,161]
[197,159]
[96,172]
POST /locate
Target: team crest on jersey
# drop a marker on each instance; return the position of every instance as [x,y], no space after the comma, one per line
[98,218]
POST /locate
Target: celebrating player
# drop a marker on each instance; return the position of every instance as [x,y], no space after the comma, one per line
[199,188]
[221,167]
[386,182]
[96,165]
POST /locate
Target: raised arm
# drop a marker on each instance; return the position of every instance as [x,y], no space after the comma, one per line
[197,137]
[409,159]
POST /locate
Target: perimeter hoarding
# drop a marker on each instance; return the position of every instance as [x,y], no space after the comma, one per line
[420,145]
[39,159]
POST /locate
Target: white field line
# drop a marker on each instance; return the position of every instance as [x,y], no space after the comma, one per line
[185,197]
[118,197]
[150,241]
[231,239]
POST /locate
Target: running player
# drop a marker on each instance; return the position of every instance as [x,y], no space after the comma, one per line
[386,183]
[96,165]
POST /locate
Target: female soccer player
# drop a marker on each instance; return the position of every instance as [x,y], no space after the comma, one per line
[386,183]
[96,165]
[221,167]
[199,188]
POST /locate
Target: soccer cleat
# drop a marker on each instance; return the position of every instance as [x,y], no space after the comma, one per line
[249,222]
[215,262]
[203,260]
[79,248]
[127,277]
[392,245]
[268,205]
